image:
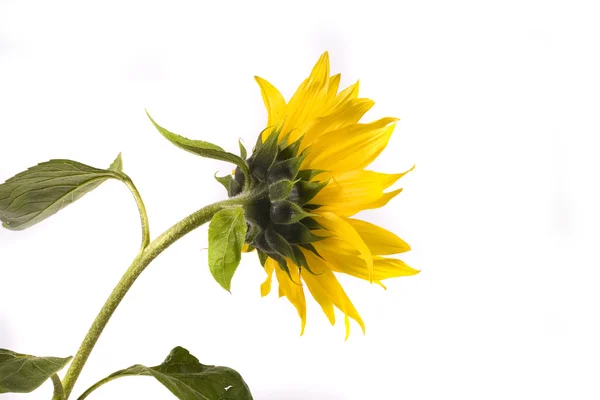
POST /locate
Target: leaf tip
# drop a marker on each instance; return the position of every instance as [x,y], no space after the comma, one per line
[117,164]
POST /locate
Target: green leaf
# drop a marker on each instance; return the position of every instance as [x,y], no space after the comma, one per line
[229,183]
[34,195]
[117,165]
[226,234]
[188,379]
[21,373]
[243,151]
[201,148]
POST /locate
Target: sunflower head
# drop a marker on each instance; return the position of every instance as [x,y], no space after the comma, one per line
[308,178]
[278,219]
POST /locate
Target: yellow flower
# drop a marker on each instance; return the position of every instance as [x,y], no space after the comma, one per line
[318,134]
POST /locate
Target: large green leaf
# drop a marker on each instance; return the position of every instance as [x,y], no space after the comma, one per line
[226,234]
[21,373]
[201,148]
[33,195]
[188,379]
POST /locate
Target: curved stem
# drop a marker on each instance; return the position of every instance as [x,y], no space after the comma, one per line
[59,393]
[96,386]
[142,209]
[138,265]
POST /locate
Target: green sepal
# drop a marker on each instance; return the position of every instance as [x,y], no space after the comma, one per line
[278,243]
[257,211]
[312,206]
[283,265]
[289,151]
[297,233]
[259,141]
[184,376]
[309,174]
[22,373]
[240,178]
[231,185]
[300,259]
[226,234]
[201,148]
[264,156]
[286,169]
[262,257]
[243,151]
[260,242]
[280,190]
[286,212]
[312,223]
[252,231]
[235,188]
[312,249]
[224,180]
[304,191]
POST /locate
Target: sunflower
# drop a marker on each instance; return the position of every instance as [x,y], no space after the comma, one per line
[310,164]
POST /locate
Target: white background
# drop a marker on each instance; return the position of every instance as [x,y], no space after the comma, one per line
[499,110]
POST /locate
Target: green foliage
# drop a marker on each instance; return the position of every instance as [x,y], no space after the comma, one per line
[201,148]
[243,151]
[226,234]
[22,373]
[117,165]
[188,379]
[264,156]
[34,195]
[230,184]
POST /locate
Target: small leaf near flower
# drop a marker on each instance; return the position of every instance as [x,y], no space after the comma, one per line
[201,148]
[34,195]
[226,234]
[22,373]
[243,151]
[188,379]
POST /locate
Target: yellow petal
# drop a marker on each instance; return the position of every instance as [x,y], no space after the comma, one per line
[293,291]
[333,86]
[349,192]
[352,189]
[315,290]
[327,285]
[307,103]
[351,147]
[343,117]
[274,103]
[346,95]
[265,287]
[378,239]
[382,201]
[347,323]
[354,265]
[339,227]
[246,247]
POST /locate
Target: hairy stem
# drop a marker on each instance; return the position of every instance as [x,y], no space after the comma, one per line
[96,386]
[142,210]
[59,393]
[138,265]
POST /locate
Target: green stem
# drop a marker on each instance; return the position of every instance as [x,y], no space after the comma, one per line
[59,393]
[142,209]
[96,386]
[138,265]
